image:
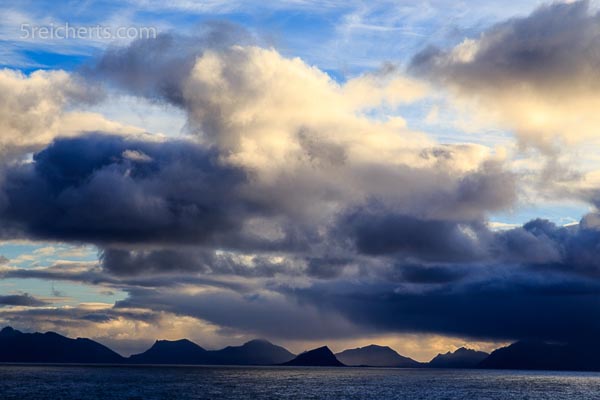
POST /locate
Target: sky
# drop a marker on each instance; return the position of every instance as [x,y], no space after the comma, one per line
[422,175]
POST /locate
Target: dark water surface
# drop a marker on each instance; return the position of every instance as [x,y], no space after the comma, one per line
[94,382]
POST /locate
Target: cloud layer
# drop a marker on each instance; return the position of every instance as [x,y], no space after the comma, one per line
[298,206]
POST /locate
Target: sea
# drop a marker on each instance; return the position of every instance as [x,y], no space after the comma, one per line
[42,382]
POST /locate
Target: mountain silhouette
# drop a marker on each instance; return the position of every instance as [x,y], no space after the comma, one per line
[540,355]
[461,358]
[50,347]
[376,356]
[254,352]
[320,357]
[172,352]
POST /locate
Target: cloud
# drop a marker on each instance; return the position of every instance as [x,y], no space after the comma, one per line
[31,106]
[295,130]
[432,274]
[538,243]
[21,300]
[535,75]
[295,204]
[504,306]
[156,68]
[37,108]
[432,240]
[262,313]
[572,249]
[515,288]
[504,294]
[274,191]
[550,50]
[280,150]
[85,189]
[535,281]
[191,261]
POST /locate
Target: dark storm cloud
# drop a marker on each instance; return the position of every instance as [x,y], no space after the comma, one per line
[540,243]
[127,262]
[445,225]
[101,188]
[380,233]
[174,260]
[21,300]
[326,267]
[536,281]
[505,296]
[375,231]
[556,47]
[431,273]
[99,276]
[504,305]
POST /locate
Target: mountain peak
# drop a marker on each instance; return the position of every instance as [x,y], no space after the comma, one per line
[165,342]
[319,357]
[460,358]
[184,351]
[463,350]
[51,347]
[254,352]
[258,341]
[9,331]
[376,346]
[171,352]
[376,356]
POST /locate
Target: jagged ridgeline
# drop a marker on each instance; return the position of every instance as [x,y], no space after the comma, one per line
[50,347]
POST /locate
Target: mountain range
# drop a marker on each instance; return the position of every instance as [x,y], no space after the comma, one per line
[254,352]
[50,347]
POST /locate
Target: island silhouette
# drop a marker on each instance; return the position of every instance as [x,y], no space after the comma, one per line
[53,348]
